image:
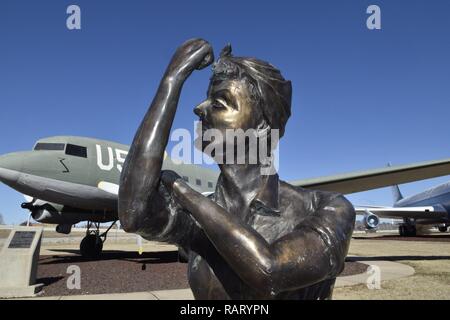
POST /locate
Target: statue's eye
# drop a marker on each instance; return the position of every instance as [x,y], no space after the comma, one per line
[220,103]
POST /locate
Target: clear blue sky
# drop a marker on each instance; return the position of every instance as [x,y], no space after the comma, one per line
[361,98]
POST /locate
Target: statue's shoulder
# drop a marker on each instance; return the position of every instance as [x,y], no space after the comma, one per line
[302,199]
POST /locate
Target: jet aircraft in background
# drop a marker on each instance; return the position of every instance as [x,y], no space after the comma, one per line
[72,179]
[425,209]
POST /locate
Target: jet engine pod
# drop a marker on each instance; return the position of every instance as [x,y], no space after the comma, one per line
[371,221]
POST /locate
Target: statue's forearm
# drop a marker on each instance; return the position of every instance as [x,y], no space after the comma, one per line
[246,251]
[141,172]
[142,168]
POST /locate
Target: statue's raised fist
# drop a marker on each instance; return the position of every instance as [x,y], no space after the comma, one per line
[194,54]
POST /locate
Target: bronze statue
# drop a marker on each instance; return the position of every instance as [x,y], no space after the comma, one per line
[257,237]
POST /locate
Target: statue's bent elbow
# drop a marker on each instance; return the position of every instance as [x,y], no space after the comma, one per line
[127,217]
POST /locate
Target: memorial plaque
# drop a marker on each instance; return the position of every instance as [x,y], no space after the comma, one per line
[19,262]
[22,240]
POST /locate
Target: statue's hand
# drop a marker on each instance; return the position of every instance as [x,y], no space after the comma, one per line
[194,54]
[180,190]
[168,178]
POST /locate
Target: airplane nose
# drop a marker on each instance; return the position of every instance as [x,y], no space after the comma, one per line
[10,167]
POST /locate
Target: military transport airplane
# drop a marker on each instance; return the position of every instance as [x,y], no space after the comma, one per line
[427,208]
[67,180]
[71,179]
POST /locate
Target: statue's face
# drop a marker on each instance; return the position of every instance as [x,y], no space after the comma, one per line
[229,106]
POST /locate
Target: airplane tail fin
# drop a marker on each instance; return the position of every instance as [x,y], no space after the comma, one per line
[396,193]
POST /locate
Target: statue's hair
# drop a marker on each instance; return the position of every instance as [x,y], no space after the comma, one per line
[270,90]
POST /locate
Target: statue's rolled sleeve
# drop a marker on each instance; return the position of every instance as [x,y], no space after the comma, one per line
[333,222]
[172,224]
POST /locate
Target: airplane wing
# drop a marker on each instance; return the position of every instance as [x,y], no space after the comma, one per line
[426,212]
[377,178]
[359,180]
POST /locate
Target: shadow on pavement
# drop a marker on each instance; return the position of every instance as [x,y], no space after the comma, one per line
[48,280]
[425,237]
[398,258]
[146,257]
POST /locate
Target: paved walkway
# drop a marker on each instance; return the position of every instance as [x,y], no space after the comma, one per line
[388,271]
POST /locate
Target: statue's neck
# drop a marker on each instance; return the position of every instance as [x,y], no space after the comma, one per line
[239,185]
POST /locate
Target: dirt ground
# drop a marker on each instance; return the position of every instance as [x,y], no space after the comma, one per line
[116,272]
[119,272]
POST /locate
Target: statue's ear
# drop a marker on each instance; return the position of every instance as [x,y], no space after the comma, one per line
[226,51]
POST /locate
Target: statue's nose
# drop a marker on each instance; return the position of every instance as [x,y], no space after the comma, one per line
[200,110]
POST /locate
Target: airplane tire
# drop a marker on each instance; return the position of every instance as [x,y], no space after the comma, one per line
[407,231]
[91,246]
[411,231]
[443,229]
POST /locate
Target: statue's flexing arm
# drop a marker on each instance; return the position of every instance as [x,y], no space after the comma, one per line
[303,257]
[139,207]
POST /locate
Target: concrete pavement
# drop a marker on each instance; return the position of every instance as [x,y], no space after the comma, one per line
[388,270]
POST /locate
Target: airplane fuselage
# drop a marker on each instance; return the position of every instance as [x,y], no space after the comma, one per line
[438,197]
[73,179]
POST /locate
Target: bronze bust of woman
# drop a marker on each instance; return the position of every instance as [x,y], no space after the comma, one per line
[256,237]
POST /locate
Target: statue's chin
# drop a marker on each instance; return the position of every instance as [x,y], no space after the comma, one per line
[214,150]
[217,150]
[199,144]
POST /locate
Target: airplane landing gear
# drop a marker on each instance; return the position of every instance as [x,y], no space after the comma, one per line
[443,229]
[406,230]
[92,244]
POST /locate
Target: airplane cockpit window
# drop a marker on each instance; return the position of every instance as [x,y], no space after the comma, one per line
[77,151]
[49,146]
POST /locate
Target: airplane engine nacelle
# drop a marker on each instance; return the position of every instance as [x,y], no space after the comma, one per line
[45,212]
[371,221]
